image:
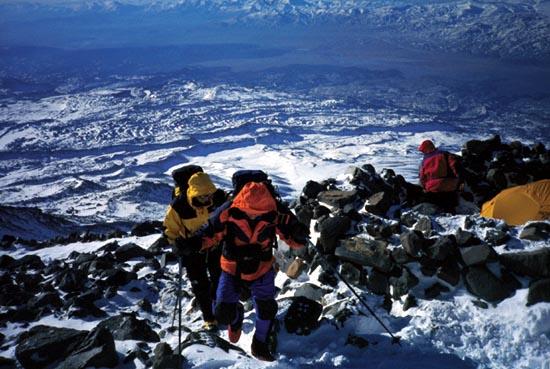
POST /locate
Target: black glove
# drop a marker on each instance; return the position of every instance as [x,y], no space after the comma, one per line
[187,246]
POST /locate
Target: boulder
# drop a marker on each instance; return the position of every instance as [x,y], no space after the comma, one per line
[46,299]
[535,264]
[350,272]
[539,291]
[310,291]
[11,294]
[209,339]
[312,189]
[71,280]
[443,248]
[332,229]
[131,251]
[365,252]
[6,363]
[357,341]
[117,277]
[402,284]
[128,327]
[435,290]
[379,203]
[410,302]
[165,358]
[497,178]
[496,237]
[296,268]
[426,208]
[29,262]
[482,283]
[157,247]
[7,241]
[42,345]
[320,211]
[476,255]
[378,282]
[146,228]
[537,231]
[413,242]
[302,316]
[449,272]
[337,198]
[424,225]
[97,350]
[466,238]
[304,214]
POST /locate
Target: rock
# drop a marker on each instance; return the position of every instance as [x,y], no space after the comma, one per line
[381,231]
[365,252]
[332,229]
[147,228]
[337,198]
[357,341]
[30,282]
[444,247]
[312,189]
[449,272]
[118,277]
[535,264]
[378,282]
[466,238]
[482,283]
[131,251]
[400,256]
[497,178]
[11,294]
[7,241]
[304,215]
[379,203]
[142,356]
[128,327]
[410,302]
[145,305]
[328,278]
[539,291]
[310,291]
[165,357]
[496,237]
[426,208]
[71,280]
[109,247]
[157,247]
[402,284]
[6,363]
[97,350]
[413,242]
[481,148]
[29,262]
[46,299]
[302,316]
[435,290]
[42,345]
[209,339]
[424,225]
[6,262]
[476,255]
[350,272]
[409,218]
[320,211]
[537,231]
[296,268]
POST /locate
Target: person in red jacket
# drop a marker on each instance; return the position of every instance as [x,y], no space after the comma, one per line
[249,228]
[439,175]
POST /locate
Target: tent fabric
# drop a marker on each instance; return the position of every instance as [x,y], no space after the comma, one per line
[517,205]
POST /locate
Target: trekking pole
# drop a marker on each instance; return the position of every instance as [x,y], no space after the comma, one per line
[179,307]
[395,339]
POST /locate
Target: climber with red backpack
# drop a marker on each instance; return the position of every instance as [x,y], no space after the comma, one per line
[247,228]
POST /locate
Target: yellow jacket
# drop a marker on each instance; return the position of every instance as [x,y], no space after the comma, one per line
[183,217]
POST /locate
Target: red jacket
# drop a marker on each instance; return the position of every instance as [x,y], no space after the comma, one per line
[439,172]
[249,228]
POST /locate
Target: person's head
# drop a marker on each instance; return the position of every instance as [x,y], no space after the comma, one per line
[255,198]
[200,191]
[426,147]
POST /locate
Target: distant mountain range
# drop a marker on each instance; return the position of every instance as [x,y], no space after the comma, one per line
[506,29]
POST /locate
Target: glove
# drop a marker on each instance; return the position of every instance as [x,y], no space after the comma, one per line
[187,246]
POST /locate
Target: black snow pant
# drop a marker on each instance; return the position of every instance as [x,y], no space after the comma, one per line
[203,270]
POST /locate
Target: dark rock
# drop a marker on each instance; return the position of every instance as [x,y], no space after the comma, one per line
[320,211]
[400,256]
[337,198]
[42,345]
[83,305]
[97,350]
[304,215]
[444,247]
[496,237]
[466,238]
[312,189]
[29,262]
[165,357]
[128,327]
[410,302]
[357,341]
[476,255]
[387,303]
[159,245]
[146,228]
[380,231]
[302,316]
[539,291]
[7,241]
[402,284]
[332,229]
[21,314]
[449,272]
[350,272]
[47,299]
[537,231]
[426,208]
[424,225]
[435,290]
[118,277]
[145,305]
[6,363]
[30,282]
[409,218]
[365,252]
[482,283]
[480,304]
[131,251]
[70,280]
[6,262]
[379,203]
[497,178]
[11,294]
[378,282]
[138,353]
[534,264]
[413,242]
[328,278]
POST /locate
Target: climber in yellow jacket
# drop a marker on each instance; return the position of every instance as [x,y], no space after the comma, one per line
[186,214]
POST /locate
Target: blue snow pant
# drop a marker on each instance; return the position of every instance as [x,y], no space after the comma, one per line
[230,311]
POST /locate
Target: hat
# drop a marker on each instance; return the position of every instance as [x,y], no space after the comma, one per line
[427,146]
